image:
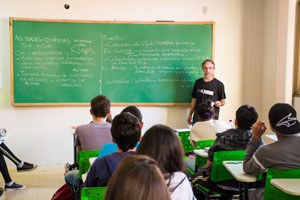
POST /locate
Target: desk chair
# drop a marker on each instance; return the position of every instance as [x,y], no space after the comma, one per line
[187,148]
[201,144]
[219,172]
[93,193]
[272,192]
[185,141]
[83,161]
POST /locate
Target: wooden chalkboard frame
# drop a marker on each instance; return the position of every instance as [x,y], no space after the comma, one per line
[96,22]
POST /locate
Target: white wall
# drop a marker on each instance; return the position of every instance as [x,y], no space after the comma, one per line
[42,134]
[278,55]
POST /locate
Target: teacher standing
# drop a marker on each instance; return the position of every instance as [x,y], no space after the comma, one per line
[207,88]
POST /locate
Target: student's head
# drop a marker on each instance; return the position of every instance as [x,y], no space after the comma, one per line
[136,112]
[137,178]
[208,67]
[125,131]
[162,144]
[100,106]
[246,116]
[205,111]
[283,119]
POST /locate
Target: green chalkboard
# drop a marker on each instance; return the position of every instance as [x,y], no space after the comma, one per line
[69,62]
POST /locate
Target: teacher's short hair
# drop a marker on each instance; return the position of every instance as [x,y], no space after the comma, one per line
[208,60]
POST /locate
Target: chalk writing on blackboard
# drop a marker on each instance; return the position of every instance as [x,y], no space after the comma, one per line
[133,63]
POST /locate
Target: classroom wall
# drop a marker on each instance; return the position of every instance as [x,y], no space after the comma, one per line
[249,40]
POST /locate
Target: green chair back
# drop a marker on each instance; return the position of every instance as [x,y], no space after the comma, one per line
[185,141]
[93,193]
[219,172]
[200,161]
[83,160]
[272,192]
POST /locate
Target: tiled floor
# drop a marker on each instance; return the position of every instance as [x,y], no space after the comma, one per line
[40,183]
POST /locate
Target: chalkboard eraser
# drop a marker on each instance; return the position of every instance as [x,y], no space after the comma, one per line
[165,21]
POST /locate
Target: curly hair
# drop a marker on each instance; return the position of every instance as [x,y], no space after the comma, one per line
[126,131]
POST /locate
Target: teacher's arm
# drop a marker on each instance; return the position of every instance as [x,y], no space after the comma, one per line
[220,103]
[192,108]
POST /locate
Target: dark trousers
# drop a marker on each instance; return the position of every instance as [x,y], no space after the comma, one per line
[5,151]
[213,187]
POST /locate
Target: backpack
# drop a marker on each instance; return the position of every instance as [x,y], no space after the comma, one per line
[63,193]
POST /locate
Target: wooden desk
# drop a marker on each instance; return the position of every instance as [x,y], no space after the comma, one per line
[236,170]
[289,186]
[201,152]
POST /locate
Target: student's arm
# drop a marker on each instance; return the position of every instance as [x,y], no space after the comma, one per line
[78,148]
[90,180]
[77,142]
[98,174]
[192,108]
[208,164]
[251,164]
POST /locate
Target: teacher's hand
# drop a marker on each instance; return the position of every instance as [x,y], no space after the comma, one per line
[218,104]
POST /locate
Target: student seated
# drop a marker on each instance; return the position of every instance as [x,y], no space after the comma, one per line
[21,165]
[162,144]
[126,132]
[206,126]
[232,139]
[282,154]
[92,136]
[111,147]
[137,178]
[136,112]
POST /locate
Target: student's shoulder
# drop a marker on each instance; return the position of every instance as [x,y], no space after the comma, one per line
[179,175]
[118,155]
[82,127]
[227,132]
[99,161]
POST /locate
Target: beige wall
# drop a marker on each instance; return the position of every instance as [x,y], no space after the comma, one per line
[253,40]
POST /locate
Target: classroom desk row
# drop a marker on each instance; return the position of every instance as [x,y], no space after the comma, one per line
[289,186]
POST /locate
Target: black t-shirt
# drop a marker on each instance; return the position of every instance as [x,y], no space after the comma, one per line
[213,91]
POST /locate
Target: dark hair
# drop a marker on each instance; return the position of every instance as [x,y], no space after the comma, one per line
[126,131]
[208,60]
[162,144]
[133,110]
[137,178]
[246,116]
[205,111]
[100,106]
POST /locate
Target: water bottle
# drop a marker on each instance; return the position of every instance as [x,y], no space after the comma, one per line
[231,124]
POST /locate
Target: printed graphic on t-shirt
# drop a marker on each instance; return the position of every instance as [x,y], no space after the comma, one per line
[207,92]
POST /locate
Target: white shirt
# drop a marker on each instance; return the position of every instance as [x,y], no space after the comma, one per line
[206,130]
[180,187]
